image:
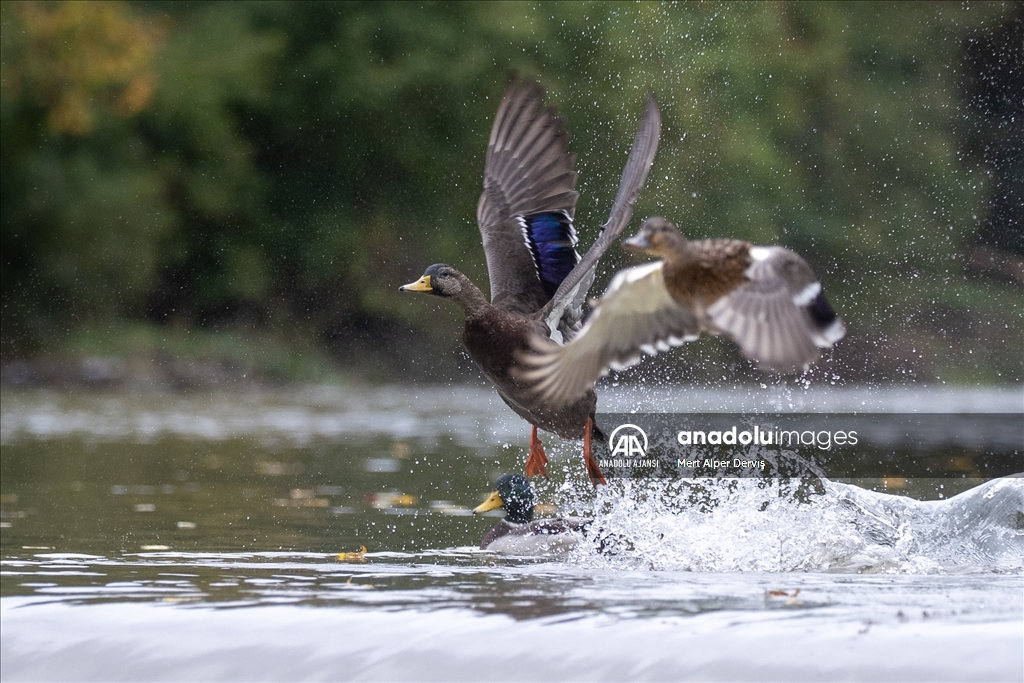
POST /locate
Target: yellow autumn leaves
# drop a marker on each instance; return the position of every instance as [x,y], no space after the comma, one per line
[78,60]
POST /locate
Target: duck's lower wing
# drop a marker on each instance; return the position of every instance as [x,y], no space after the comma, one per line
[779,316]
[636,315]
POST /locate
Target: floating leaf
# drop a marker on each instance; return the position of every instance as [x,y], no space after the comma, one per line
[357,556]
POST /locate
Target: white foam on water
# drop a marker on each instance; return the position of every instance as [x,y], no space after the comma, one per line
[825,526]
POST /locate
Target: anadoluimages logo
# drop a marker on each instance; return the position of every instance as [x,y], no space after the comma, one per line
[626,441]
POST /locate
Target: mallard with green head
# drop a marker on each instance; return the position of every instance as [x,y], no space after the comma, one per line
[538,282]
[519,533]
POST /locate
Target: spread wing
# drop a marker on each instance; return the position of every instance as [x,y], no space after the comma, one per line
[566,306]
[636,315]
[779,316]
[526,210]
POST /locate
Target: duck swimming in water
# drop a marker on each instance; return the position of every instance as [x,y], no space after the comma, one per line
[518,533]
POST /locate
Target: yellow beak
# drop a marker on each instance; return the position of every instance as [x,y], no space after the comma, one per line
[493,502]
[421,285]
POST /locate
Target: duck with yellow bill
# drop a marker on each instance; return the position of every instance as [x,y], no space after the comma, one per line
[519,533]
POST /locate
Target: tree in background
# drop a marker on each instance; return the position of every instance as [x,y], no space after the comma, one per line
[992,134]
[81,205]
[280,168]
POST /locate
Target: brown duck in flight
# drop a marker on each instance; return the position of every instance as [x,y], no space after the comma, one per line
[538,281]
[766,298]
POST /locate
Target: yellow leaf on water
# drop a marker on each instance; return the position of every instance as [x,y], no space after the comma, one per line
[389,499]
[357,556]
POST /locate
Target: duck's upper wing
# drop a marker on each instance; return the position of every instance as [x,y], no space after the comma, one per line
[636,315]
[526,210]
[779,316]
[565,309]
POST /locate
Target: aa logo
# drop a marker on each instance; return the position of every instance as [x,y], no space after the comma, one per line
[628,441]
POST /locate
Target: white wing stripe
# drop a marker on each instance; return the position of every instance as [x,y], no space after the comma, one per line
[633,274]
[807,294]
[834,332]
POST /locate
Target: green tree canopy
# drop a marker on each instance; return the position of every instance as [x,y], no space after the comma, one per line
[285,166]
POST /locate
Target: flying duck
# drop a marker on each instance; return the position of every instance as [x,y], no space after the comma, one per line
[518,533]
[765,298]
[538,281]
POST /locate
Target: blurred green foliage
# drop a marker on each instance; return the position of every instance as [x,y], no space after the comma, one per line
[283,167]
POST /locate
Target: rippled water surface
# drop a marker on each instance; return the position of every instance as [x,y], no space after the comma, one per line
[168,536]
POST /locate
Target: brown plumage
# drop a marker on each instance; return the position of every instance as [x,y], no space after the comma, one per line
[766,298]
[538,281]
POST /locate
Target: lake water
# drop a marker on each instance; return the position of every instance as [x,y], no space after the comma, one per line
[174,536]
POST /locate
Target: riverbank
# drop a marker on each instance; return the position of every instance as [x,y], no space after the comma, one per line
[141,356]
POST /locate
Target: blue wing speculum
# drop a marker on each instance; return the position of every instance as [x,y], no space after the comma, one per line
[552,240]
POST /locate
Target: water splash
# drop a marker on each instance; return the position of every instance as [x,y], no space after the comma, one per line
[804,525]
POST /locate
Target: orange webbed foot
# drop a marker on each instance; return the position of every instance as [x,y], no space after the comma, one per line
[536,463]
